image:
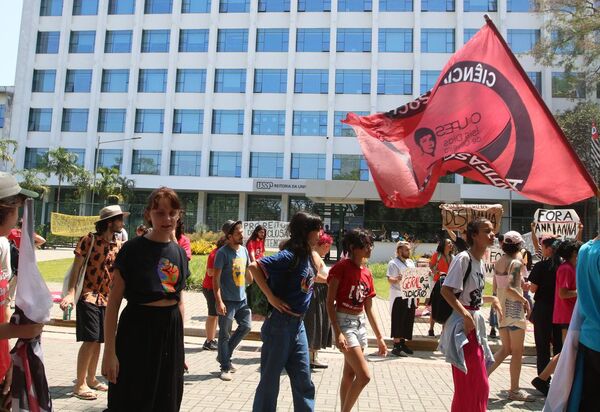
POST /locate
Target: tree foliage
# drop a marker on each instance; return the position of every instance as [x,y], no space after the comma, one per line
[34,180]
[8,148]
[111,183]
[61,163]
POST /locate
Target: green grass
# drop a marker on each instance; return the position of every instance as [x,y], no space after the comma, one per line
[382,287]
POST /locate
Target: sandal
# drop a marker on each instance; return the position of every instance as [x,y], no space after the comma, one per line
[86,396]
[99,386]
[520,395]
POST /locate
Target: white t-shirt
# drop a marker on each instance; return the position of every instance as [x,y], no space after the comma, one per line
[473,290]
[395,266]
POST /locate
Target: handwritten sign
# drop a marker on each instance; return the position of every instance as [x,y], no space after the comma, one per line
[492,255]
[70,225]
[458,216]
[415,283]
[276,231]
[562,223]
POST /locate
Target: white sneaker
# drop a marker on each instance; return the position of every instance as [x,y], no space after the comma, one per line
[226,376]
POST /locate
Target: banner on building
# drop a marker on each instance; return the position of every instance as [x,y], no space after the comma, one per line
[415,283]
[70,225]
[458,216]
[276,231]
[563,223]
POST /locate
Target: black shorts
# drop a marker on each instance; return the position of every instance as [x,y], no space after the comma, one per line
[210,301]
[89,322]
[403,318]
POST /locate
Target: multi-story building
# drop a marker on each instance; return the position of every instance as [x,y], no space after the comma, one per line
[238,103]
[6,97]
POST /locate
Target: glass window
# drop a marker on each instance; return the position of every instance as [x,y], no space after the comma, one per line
[118,41]
[221,207]
[230,81]
[185,163]
[261,207]
[74,120]
[469,33]
[115,80]
[350,167]
[300,203]
[111,120]
[188,121]
[190,81]
[481,5]
[79,156]
[234,6]
[270,80]
[85,7]
[43,81]
[2,114]
[110,158]
[308,166]
[522,6]
[193,40]
[152,81]
[226,164]
[437,40]
[569,86]
[353,40]
[78,81]
[314,5]
[82,41]
[268,122]
[155,41]
[232,40]
[34,157]
[311,81]
[564,42]
[396,40]
[47,42]
[355,5]
[266,165]
[273,5]
[228,122]
[312,40]
[428,79]
[395,5]
[309,123]
[40,120]
[437,5]
[149,120]
[394,82]
[522,40]
[272,40]
[158,6]
[121,6]
[352,81]
[146,162]
[51,8]
[341,129]
[536,79]
[195,6]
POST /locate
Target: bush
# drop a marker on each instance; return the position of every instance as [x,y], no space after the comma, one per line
[211,237]
[202,247]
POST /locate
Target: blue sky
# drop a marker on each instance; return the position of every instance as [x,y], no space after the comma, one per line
[10,22]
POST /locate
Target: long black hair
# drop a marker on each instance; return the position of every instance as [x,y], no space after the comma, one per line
[356,239]
[563,250]
[301,224]
[254,234]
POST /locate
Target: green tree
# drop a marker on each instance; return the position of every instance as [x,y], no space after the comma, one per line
[34,180]
[81,181]
[111,183]
[61,163]
[8,148]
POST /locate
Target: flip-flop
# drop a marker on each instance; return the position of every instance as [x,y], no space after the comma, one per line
[102,387]
[86,396]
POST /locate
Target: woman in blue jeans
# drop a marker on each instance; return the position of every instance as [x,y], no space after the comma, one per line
[287,280]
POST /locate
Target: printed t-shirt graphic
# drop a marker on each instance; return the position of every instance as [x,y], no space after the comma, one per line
[238,270]
[168,274]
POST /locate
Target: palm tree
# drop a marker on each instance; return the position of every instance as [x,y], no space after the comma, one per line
[61,163]
[111,183]
[8,148]
[34,180]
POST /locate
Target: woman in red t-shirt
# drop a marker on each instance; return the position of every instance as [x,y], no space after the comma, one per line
[207,290]
[439,264]
[256,249]
[349,297]
[256,243]
[565,295]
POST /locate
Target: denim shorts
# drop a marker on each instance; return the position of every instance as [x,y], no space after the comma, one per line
[511,328]
[354,329]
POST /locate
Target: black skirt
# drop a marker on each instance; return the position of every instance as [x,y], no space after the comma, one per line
[149,347]
[316,320]
[403,318]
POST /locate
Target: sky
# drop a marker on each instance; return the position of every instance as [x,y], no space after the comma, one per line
[10,24]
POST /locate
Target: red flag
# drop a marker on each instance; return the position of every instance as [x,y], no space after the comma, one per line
[483,119]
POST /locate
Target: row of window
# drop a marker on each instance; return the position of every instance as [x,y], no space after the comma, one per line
[222,164]
[2,115]
[90,7]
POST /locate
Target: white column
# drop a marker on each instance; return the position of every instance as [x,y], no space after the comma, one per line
[285,209]
[289,98]
[242,206]
[201,208]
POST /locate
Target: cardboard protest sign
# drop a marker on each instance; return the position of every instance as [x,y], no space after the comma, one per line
[416,283]
[457,216]
[492,255]
[562,223]
[276,231]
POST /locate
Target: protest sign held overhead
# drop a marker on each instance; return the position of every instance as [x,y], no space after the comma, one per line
[458,216]
[276,231]
[563,223]
[491,256]
[415,283]
[483,119]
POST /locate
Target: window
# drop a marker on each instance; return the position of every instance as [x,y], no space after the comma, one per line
[185,163]
[437,5]
[355,5]
[149,120]
[480,5]
[308,166]
[522,6]
[469,33]
[111,120]
[268,122]
[300,203]
[158,6]
[536,79]
[312,40]
[396,40]
[155,41]
[193,40]
[190,81]
[121,6]
[228,122]
[225,164]
[522,40]
[146,162]
[570,86]
[309,123]
[394,82]
[219,208]
[230,81]
[352,81]
[311,81]
[232,40]
[437,40]
[195,6]
[78,81]
[395,5]
[118,41]
[110,158]
[47,42]
[266,165]
[350,167]
[85,7]
[115,80]
[272,40]
[314,5]
[353,40]
[428,79]
[152,81]
[188,121]
[564,42]
[39,120]
[262,207]
[234,6]
[74,120]
[43,81]
[2,115]
[273,5]
[82,41]
[341,129]
[270,80]
[34,157]
[51,8]
[79,156]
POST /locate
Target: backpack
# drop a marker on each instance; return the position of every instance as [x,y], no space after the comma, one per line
[14,258]
[440,309]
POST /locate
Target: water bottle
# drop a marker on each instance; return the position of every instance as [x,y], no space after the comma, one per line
[67,312]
